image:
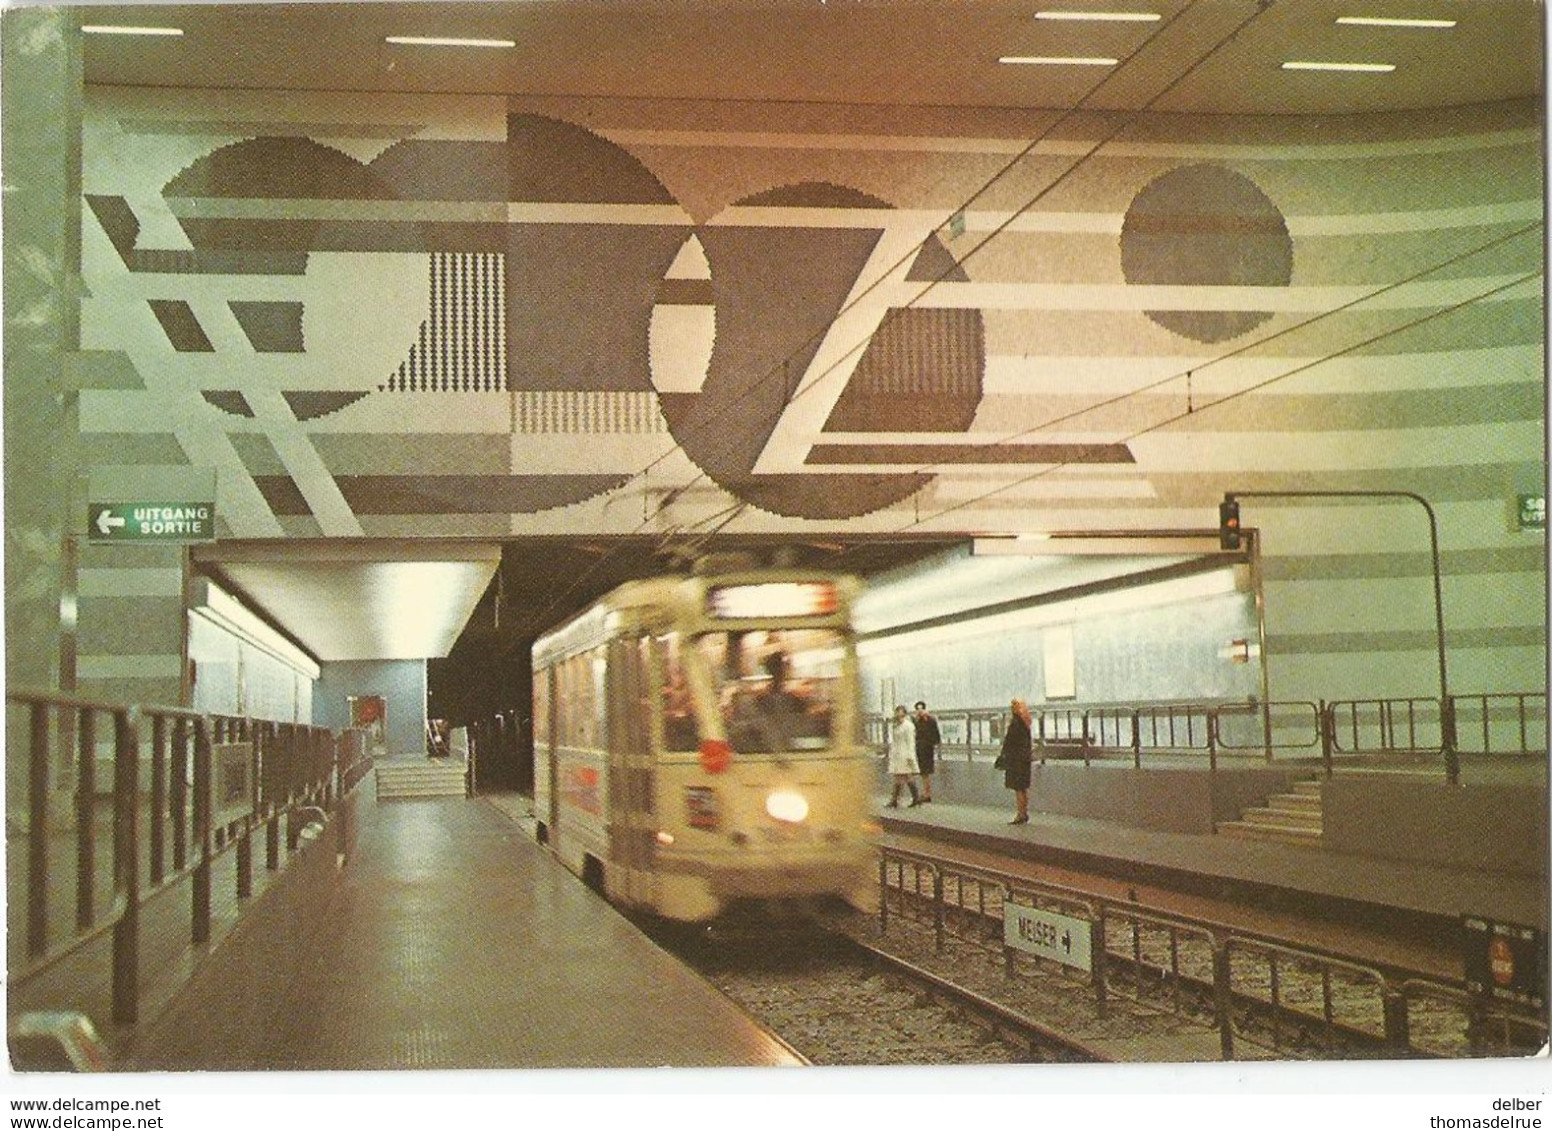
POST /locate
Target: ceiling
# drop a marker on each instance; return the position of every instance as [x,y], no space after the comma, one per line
[1198,57]
[879,56]
[344,600]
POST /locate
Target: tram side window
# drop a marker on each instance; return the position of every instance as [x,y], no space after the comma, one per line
[681,732]
[577,703]
[598,726]
[541,707]
[565,699]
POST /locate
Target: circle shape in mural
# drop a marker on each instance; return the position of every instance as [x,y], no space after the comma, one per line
[757,300]
[1206,226]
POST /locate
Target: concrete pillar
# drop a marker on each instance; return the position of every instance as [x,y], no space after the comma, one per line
[40,116]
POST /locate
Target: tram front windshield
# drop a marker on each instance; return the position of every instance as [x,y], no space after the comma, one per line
[776,689]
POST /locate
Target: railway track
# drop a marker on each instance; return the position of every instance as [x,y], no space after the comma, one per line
[931,982]
[837,1001]
[1235,995]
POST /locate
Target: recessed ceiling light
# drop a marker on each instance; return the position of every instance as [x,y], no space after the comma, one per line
[1386,21]
[116,29]
[1057,61]
[1365,68]
[1102,17]
[448,41]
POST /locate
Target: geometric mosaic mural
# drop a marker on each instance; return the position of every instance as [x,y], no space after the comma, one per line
[560,308]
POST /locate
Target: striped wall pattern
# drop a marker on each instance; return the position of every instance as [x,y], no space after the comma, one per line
[131,615]
[462,345]
[799,314]
[603,413]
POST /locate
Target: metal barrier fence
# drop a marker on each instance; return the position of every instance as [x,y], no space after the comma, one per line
[1498,723]
[1248,987]
[197,785]
[1482,724]
[1134,731]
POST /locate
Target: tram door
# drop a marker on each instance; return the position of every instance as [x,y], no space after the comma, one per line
[545,740]
[631,824]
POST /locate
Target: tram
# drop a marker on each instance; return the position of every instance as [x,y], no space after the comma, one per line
[698,743]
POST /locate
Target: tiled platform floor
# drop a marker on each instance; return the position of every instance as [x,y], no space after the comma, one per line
[455,942]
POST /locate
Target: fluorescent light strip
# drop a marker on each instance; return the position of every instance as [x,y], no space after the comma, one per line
[1385,21]
[1057,61]
[227,612]
[113,29]
[977,623]
[446,41]
[1103,17]
[1364,68]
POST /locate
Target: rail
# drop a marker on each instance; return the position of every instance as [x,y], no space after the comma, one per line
[1474,727]
[197,786]
[1260,989]
[1135,732]
[1494,723]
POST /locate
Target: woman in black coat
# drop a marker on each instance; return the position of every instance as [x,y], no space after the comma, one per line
[1017,751]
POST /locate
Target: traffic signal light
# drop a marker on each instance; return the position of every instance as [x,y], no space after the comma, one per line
[1228,524]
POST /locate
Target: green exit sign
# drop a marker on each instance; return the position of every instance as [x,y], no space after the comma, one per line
[151,522]
[1531,512]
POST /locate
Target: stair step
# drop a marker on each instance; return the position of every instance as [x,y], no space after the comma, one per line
[406,780]
[1298,812]
[1296,816]
[1249,825]
[1257,832]
[1299,816]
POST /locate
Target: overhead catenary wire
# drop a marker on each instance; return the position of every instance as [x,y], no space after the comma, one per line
[1187,375]
[781,368]
[1062,117]
[1303,367]
[724,517]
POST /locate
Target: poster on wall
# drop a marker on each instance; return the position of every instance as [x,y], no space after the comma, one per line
[1061,676]
[370,713]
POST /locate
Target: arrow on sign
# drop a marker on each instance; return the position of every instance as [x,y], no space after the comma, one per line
[107,520]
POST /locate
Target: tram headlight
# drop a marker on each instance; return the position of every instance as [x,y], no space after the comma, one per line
[787,805]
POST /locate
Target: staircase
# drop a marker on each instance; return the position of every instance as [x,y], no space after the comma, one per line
[428,777]
[1295,817]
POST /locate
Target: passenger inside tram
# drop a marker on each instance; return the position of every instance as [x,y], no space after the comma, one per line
[775,688]
[680,731]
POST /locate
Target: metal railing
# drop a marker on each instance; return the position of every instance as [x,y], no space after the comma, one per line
[197,786]
[1503,723]
[1479,725]
[1245,986]
[1135,731]
[1389,726]
[1490,723]
[1496,723]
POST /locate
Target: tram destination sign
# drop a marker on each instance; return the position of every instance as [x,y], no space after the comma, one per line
[1061,938]
[151,522]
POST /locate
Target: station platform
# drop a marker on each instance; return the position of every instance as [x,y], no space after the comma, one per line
[450,940]
[1301,893]
[453,941]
